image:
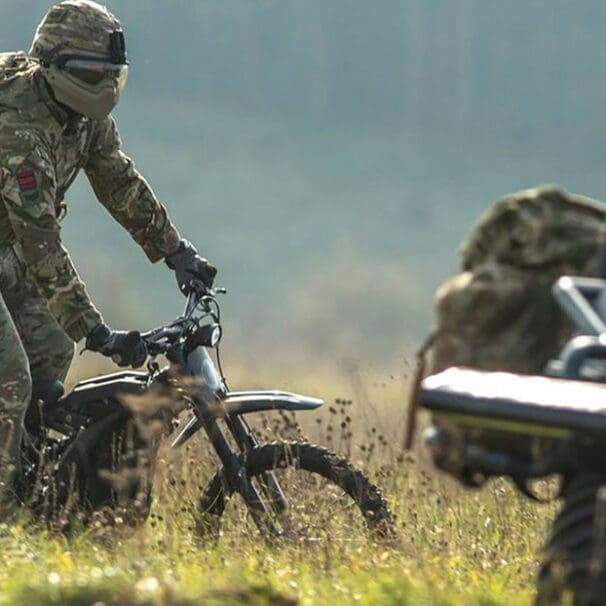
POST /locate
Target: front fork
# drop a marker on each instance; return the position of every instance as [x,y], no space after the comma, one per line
[247,440]
[262,510]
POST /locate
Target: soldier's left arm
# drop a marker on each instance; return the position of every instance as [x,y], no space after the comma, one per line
[127,195]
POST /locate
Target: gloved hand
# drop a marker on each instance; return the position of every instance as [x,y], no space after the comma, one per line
[188,264]
[124,348]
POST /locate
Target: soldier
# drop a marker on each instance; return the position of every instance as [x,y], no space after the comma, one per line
[55,119]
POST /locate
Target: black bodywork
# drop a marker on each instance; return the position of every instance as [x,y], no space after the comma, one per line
[70,441]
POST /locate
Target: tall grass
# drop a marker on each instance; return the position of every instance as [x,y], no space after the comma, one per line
[454,546]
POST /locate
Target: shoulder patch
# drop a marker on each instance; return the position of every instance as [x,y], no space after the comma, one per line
[26,180]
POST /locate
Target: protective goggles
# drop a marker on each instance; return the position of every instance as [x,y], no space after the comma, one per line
[92,70]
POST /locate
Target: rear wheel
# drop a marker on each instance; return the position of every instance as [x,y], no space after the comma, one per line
[327,497]
[107,469]
[573,570]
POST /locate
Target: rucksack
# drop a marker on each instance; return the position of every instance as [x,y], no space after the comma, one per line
[499,313]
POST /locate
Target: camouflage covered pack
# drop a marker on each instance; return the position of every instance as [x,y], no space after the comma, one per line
[498,313]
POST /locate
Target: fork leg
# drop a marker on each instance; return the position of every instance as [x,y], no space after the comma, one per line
[261,513]
[270,486]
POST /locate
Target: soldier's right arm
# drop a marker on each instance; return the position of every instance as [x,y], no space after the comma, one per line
[27,190]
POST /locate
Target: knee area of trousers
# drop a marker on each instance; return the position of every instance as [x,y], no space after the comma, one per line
[26,389]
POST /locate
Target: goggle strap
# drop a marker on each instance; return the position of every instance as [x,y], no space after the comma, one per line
[47,56]
[117,51]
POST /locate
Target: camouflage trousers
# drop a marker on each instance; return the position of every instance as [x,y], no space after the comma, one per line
[33,349]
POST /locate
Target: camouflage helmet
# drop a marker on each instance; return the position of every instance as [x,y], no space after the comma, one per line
[80,47]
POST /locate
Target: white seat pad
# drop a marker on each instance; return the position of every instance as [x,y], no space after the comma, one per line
[530,398]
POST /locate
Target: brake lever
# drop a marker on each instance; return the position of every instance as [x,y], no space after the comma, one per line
[201,290]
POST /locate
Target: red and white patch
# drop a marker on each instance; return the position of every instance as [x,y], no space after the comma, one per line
[26,180]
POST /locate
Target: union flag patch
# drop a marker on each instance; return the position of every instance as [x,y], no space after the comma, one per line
[26,180]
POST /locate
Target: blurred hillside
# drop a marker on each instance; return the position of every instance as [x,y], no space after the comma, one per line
[329,156]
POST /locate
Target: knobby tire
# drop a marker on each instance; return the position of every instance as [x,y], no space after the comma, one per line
[306,457]
[573,566]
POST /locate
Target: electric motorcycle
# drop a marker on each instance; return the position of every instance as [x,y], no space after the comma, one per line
[90,450]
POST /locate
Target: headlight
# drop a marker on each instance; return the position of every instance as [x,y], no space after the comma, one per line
[205,336]
[215,334]
[209,335]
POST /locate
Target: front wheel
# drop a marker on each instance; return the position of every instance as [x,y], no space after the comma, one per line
[325,496]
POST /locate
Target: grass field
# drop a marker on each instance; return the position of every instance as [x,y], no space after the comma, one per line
[454,546]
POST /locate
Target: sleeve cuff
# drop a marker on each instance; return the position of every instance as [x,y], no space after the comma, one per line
[83,325]
[160,248]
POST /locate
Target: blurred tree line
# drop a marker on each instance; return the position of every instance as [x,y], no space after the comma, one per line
[323,150]
[473,66]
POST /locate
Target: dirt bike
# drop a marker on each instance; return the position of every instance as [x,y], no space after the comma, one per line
[527,427]
[87,451]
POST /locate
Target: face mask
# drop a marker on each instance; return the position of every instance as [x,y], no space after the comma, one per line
[91,88]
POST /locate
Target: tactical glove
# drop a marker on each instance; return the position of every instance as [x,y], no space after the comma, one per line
[124,348]
[188,265]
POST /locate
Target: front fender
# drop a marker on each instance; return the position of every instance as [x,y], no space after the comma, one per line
[244,402]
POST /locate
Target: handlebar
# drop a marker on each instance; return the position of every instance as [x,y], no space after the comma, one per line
[584,302]
[159,340]
[573,294]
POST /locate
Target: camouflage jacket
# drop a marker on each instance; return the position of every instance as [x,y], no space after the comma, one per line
[42,148]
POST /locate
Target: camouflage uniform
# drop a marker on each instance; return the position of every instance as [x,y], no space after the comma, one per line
[44,306]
